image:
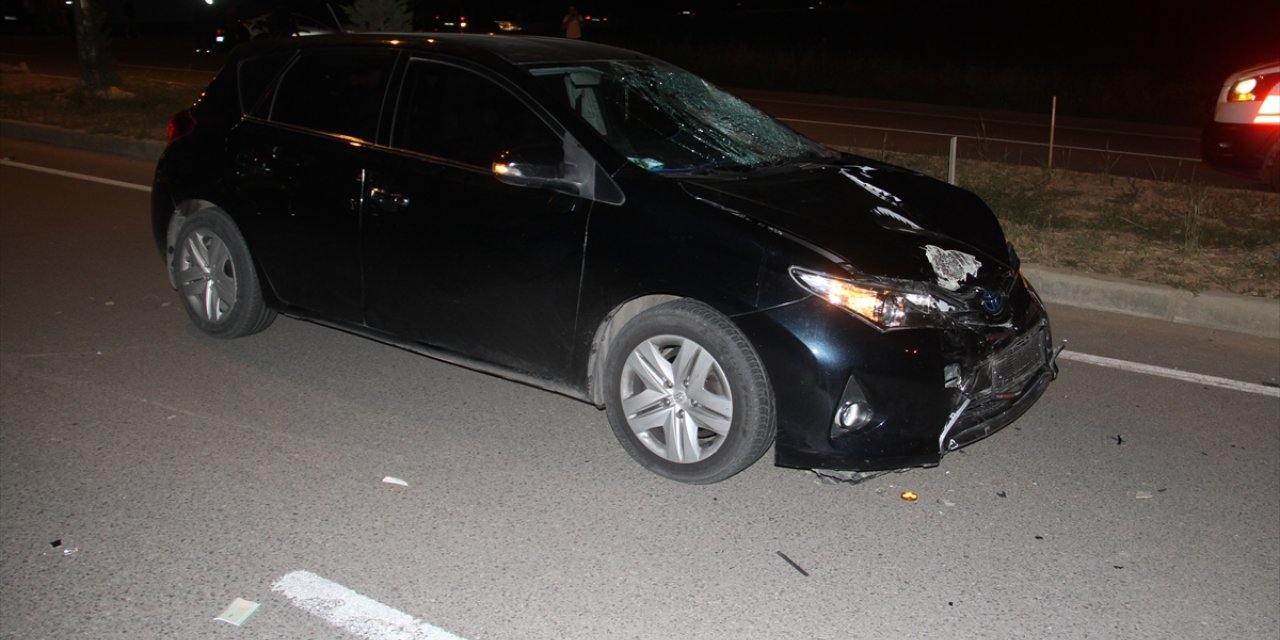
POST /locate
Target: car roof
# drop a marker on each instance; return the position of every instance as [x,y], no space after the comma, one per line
[518,50]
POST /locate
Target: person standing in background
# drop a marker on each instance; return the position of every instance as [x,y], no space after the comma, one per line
[572,23]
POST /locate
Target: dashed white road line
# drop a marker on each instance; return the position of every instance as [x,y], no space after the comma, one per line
[352,612]
[9,162]
[1173,374]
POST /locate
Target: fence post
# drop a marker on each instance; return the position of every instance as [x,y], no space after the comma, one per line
[1053,123]
[951,161]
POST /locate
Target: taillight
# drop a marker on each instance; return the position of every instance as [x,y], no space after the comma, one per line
[1269,112]
[180,125]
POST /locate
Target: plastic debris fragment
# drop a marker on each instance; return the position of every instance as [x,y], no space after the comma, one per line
[831,476]
[237,612]
[793,564]
[910,496]
[66,553]
[1142,495]
[396,481]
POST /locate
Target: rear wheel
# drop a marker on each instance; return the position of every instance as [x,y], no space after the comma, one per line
[687,395]
[216,277]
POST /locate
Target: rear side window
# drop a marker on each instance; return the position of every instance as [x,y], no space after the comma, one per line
[256,76]
[452,113]
[334,92]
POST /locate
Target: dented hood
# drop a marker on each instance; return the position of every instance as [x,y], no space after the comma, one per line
[878,218]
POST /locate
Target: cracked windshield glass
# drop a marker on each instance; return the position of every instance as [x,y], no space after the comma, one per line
[667,120]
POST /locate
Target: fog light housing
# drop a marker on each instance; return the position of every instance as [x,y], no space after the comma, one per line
[854,415]
[854,412]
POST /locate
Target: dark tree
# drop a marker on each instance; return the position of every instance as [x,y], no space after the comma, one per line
[97,69]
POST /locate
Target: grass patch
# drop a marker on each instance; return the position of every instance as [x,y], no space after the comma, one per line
[140,111]
[1182,234]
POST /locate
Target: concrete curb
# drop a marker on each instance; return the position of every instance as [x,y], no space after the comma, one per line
[1244,314]
[1230,312]
[131,148]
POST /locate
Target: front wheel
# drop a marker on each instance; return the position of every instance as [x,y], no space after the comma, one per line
[687,395]
[216,278]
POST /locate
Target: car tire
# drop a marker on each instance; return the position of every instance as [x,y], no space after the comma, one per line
[687,395]
[216,278]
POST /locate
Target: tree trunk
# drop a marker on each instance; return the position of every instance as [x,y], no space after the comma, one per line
[97,72]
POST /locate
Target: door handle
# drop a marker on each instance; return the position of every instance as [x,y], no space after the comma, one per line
[388,200]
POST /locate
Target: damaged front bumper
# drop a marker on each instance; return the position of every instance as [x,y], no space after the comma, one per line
[856,399]
[999,389]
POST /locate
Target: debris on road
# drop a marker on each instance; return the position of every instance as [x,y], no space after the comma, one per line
[793,564]
[67,552]
[237,612]
[1002,494]
[396,481]
[1119,439]
[832,476]
[1142,495]
[910,496]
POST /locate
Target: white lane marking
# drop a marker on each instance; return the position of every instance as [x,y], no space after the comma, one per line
[352,612]
[75,176]
[1114,152]
[1174,374]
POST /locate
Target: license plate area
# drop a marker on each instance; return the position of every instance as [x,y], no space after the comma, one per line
[1014,365]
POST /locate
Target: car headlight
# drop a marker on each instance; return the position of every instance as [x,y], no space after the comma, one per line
[1242,90]
[885,303]
[1264,90]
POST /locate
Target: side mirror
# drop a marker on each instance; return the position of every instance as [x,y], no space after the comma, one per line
[567,168]
[531,167]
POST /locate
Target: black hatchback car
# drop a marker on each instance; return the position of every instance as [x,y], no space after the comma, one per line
[601,224]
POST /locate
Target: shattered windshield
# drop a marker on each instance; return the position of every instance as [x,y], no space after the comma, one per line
[665,119]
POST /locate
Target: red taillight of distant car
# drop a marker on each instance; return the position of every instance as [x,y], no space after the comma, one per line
[1269,112]
[180,124]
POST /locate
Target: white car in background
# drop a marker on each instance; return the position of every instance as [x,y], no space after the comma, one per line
[1244,137]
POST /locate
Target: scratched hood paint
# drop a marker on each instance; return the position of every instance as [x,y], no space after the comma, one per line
[866,213]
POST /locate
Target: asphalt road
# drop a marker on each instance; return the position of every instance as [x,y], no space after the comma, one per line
[182,472]
[1156,152]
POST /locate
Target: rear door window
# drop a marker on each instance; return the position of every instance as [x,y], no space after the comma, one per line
[256,76]
[336,92]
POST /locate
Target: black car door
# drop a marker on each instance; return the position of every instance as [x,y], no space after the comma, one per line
[454,258]
[299,166]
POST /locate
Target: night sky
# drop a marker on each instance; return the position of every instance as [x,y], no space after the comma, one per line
[1173,50]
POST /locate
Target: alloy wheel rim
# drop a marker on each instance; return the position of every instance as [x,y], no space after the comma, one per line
[676,399]
[207,276]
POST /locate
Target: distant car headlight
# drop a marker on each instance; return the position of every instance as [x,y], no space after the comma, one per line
[1261,89]
[1242,91]
[885,303]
